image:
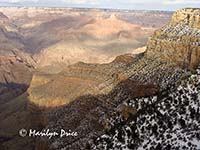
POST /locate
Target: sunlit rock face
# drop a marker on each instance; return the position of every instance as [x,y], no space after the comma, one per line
[178,41]
[80,79]
[190,16]
[37,43]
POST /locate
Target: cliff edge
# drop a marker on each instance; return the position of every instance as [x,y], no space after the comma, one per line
[178,41]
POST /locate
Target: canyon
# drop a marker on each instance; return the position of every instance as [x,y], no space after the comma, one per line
[90,71]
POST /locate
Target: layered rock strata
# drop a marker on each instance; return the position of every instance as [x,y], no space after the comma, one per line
[178,41]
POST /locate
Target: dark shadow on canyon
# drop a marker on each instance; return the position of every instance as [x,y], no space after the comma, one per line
[84,115]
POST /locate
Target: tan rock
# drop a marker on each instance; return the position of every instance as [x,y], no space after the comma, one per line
[179,41]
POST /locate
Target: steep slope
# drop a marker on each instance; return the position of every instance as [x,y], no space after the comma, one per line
[77,80]
[169,121]
[86,91]
[15,65]
[151,106]
[16,73]
[89,121]
[179,41]
[15,115]
[95,111]
[3,17]
[9,40]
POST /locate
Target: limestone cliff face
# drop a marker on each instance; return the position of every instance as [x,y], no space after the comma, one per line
[178,41]
[189,16]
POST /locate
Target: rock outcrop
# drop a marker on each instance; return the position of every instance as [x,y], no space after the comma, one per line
[15,74]
[77,80]
[190,16]
[169,121]
[178,41]
[3,17]
[143,101]
[144,85]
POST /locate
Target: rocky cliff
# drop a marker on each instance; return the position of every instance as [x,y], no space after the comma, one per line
[152,107]
[178,41]
[190,16]
[162,121]
[144,101]
[77,80]
[15,73]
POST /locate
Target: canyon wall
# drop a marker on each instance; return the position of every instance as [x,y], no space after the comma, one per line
[178,41]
